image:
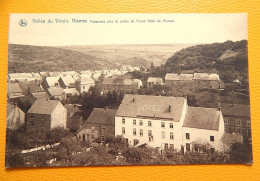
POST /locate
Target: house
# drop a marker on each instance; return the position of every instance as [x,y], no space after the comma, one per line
[74,117]
[120,83]
[20,77]
[38,96]
[162,122]
[207,81]
[154,81]
[30,88]
[237,119]
[99,125]
[196,80]
[179,81]
[15,117]
[203,129]
[84,83]
[50,82]
[14,90]
[56,93]
[45,115]
[66,82]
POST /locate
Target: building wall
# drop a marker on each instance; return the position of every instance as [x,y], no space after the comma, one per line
[38,124]
[83,87]
[202,136]
[97,131]
[239,125]
[87,134]
[207,84]
[59,116]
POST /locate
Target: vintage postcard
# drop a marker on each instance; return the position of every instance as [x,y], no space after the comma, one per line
[127,89]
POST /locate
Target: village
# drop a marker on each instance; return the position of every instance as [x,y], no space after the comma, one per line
[105,107]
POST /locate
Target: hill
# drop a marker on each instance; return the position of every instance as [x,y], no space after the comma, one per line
[228,59]
[27,58]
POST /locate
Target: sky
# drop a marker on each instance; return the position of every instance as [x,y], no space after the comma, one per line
[172,28]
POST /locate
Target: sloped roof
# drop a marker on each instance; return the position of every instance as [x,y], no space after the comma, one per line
[51,81]
[14,88]
[151,106]
[43,106]
[68,80]
[33,87]
[119,80]
[86,79]
[206,76]
[55,91]
[72,91]
[154,79]
[170,76]
[202,118]
[14,117]
[40,95]
[102,115]
[71,108]
[241,110]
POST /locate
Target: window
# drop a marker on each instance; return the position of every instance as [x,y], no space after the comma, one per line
[134,122]
[31,123]
[102,138]
[166,146]
[238,122]
[141,122]
[83,87]
[248,123]
[171,125]
[211,138]
[249,133]
[42,123]
[163,134]
[187,146]
[134,131]
[92,136]
[136,142]
[238,131]
[196,148]
[103,130]
[141,132]
[172,146]
[32,116]
[187,136]
[84,137]
[150,123]
[226,121]
[162,124]
[123,120]
[171,135]
[123,130]
[150,133]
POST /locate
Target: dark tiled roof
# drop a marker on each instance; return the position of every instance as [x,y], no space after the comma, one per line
[241,110]
[206,76]
[202,118]
[44,106]
[151,106]
[30,87]
[71,108]
[103,116]
[40,95]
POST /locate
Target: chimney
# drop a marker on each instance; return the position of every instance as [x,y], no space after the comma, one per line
[170,108]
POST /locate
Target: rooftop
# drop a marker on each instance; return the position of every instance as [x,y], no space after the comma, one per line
[161,107]
[43,106]
[202,118]
[170,76]
[206,76]
[241,110]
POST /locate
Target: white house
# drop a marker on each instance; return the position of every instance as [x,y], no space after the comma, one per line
[84,83]
[168,123]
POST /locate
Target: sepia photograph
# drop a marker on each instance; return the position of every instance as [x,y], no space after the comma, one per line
[127,89]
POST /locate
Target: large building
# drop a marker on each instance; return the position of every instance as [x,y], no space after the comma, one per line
[84,83]
[196,80]
[45,115]
[117,82]
[167,122]
[237,119]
